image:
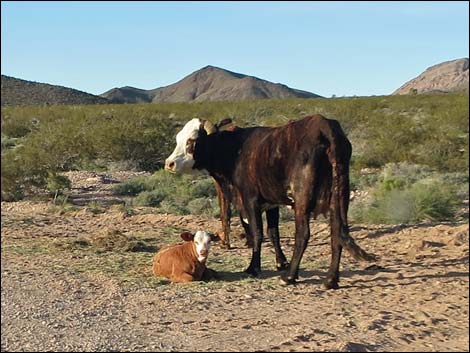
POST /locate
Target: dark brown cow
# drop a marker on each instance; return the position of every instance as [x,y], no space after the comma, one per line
[225,209]
[272,215]
[304,164]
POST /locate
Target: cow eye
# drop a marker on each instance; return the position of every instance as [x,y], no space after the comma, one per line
[190,146]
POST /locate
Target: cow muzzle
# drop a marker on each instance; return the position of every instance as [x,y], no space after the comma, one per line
[170,165]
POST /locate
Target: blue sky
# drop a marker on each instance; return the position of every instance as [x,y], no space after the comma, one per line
[329,48]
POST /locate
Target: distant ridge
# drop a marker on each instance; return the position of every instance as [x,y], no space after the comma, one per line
[208,84]
[127,94]
[446,77]
[16,91]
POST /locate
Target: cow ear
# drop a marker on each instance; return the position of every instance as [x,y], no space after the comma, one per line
[224,122]
[209,127]
[187,236]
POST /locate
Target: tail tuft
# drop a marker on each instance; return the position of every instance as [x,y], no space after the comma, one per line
[355,250]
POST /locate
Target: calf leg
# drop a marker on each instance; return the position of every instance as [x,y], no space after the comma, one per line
[209,274]
[302,235]
[272,217]
[182,277]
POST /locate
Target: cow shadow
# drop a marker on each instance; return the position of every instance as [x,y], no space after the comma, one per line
[358,278]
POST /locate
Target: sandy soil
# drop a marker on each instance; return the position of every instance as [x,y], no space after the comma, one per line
[414,298]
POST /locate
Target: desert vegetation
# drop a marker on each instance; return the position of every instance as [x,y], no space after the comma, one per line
[407,150]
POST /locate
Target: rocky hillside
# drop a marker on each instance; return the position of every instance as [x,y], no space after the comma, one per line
[449,76]
[21,92]
[209,84]
[128,94]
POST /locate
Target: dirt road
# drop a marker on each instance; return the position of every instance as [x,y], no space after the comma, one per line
[60,293]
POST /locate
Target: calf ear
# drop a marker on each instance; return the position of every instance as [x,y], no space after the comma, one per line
[187,236]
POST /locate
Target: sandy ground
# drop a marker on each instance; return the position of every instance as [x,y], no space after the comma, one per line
[414,298]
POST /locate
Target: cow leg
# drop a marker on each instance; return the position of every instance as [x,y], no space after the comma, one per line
[302,235]
[332,277]
[225,214]
[255,223]
[249,236]
[272,216]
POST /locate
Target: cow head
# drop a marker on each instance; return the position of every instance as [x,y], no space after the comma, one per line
[182,158]
[202,243]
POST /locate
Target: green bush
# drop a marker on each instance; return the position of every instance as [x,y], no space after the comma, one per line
[169,206]
[427,199]
[151,198]
[202,206]
[169,193]
[131,187]
[57,184]
[433,200]
[203,188]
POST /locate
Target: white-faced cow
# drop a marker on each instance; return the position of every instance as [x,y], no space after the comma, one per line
[304,164]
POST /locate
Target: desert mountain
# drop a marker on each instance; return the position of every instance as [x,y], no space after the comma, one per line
[21,92]
[449,76]
[209,84]
[128,94]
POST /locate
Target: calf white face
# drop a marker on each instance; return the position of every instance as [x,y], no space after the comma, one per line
[202,242]
[182,160]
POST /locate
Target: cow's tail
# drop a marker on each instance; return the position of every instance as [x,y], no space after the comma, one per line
[339,155]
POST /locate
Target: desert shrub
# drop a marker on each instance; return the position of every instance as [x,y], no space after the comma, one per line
[433,200]
[203,188]
[57,184]
[151,198]
[169,206]
[363,179]
[402,196]
[403,174]
[132,187]
[125,209]
[61,205]
[9,142]
[95,207]
[169,193]
[201,206]
[12,178]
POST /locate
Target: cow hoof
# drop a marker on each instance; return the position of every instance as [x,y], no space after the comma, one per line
[252,272]
[331,284]
[282,266]
[287,280]
[226,246]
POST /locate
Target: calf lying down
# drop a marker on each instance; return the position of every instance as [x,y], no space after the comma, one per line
[185,262]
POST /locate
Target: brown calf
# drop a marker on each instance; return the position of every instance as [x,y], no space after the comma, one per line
[185,262]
